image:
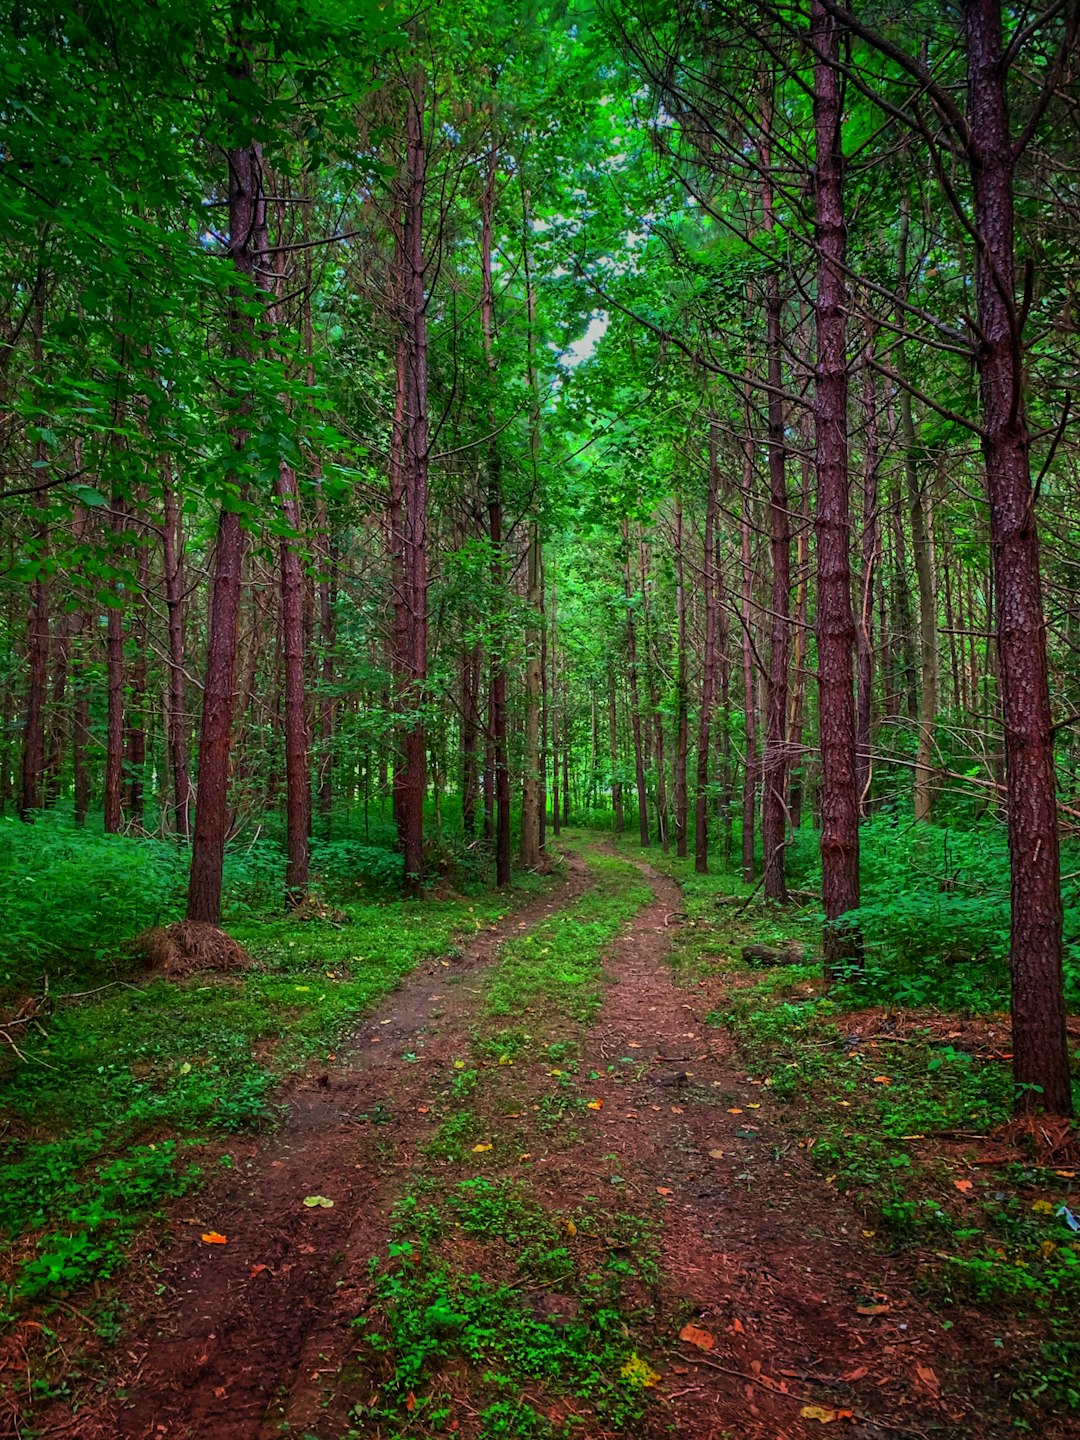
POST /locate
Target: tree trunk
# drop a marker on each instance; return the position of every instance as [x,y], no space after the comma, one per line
[248,249]
[864,639]
[1040,1048]
[922,543]
[173,546]
[297,770]
[136,703]
[682,715]
[635,697]
[708,663]
[835,624]
[774,815]
[613,746]
[114,672]
[749,793]
[416,494]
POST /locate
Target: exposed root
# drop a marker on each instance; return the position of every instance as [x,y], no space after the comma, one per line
[188,947]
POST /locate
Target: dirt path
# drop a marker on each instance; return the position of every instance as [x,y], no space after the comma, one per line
[241,1329]
[805,1322]
[758,1251]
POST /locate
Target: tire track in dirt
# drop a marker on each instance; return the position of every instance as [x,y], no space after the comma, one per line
[757,1249]
[240,1326]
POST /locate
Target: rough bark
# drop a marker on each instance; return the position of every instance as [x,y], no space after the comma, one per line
[1040,1049]
[835,623]
[635,697]
[774,815]
[416,494]
[864,638]
[682,714]
[248,252]
[173,556]
[708,662]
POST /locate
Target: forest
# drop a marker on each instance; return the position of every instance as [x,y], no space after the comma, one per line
[539,719]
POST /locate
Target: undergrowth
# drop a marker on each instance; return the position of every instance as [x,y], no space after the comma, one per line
[103,1110]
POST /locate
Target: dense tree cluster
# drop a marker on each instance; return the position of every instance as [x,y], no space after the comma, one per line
[314,498]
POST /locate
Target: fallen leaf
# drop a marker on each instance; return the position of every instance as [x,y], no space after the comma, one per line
[856,1374]
[873,1309]
[927,1379]
[662,1190]
[459,1065]
[213,1238]
[694,1335]
[185,1068]
[676,1109]
[527,1156]
[318,1202]
[257,1270]
[594,1105]
[1043,1207]
[633,1045]
[484,1145]
[422,1109]
[734,1110]
[820,1413]
[571,1228]
[882,1080]
[737,1327]
[964,1185]
[410,1401]
[751,1106]
[638,1372]
[717,1154]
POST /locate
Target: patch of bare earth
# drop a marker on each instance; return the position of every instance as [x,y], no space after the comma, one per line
[242,1331]
[800,1312]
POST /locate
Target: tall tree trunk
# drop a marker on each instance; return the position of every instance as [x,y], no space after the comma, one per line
[864,639]
[327,641]
[530,805]
[835,624]
[470,726]
[798,695]
[749,792]
[635,697]
[1040,1049]
[37,619]
[297,769]
[173,554]
[922,544]
[416,493]
[114,681]
[708,662]
[248,251]
[613,746]
[136,705]
[774,814]
[80,723]
[498,685]
[682,703]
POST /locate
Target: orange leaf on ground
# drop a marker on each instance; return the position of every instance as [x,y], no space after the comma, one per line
[694,1335]
[964,1185]
[734,1110]
[410,1401]
[737,1327]
[594,1104]
[662,1190]
[882,1080]
[856,1374]
[213,1238]
[823,1414]
[873,1309]
[258,1269]
[927,1378]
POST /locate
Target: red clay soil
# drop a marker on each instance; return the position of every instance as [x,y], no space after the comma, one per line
[758,1250]
[802,1308]
[243,1323]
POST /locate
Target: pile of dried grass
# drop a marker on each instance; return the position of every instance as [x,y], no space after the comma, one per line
[188,947]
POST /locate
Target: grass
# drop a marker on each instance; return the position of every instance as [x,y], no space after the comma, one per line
[891,1100]
[547,1310]
[103,1115]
